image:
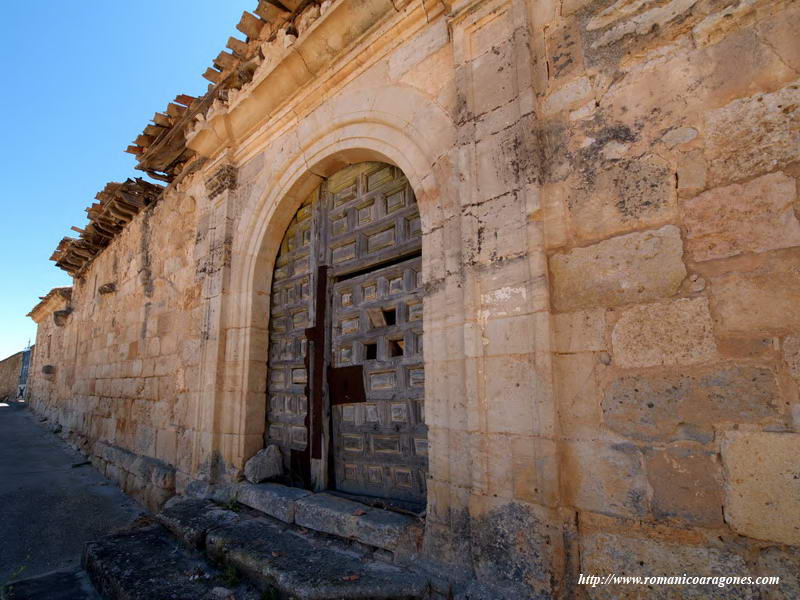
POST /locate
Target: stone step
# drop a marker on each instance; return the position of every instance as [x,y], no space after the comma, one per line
[302,566]
[72,584]
[146,562]
[397,533]
[285,561]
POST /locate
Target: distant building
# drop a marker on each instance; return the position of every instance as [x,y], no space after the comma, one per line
[14,374]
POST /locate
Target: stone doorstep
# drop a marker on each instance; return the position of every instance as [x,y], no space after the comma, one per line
[278,501]
[190,519]
[305,565]
[334,515]
[146,562]
[400,534]
[279,556]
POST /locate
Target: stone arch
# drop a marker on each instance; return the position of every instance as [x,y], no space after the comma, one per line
[344,134]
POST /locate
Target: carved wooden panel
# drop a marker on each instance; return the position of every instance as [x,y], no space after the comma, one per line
[292,311]
[363,236]
[372,217]
[380,445]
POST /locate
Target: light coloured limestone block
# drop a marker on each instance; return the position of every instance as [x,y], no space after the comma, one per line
[673,406]
[578,394]
[615,197]
[665,333]
[270,498]
[635,267]
[630,554]
[762,487]
[568,96]
[753,135]
[691,172]
[752,217]
[605,477]
[791,355]
[762,299]
[580,331]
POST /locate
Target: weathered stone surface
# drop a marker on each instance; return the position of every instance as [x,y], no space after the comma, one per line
[145,563]
[352,520]
[190,519]
[515,544]
[753,135]
[579,331]
[629,268]
[301,566]
[606,477]
[687,485]
[752,217]
[762,484]
[568,96]
[578,394]
[791,355]
[762,300]
[603,553]
[673,333]
[271,498]
[266,464]
[674,407]
[615,196]
[57,585]
[691,172]
[783,563]
[525,129]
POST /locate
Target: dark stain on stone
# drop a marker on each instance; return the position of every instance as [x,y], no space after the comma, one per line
[510,544]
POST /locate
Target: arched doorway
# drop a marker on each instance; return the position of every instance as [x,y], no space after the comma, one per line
[346,378]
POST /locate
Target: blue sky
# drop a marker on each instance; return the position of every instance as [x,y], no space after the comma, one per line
[81,81]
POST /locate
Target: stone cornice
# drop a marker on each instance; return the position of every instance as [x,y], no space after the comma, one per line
[48,303]
[285,72]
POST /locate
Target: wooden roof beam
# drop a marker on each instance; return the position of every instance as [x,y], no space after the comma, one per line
[271,12]
[250,25]
[213,75]
[225,60]
[239,48]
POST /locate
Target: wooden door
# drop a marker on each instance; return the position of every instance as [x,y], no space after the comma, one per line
[360,247]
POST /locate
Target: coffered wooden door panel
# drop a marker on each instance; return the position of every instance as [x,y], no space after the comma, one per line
[360,247]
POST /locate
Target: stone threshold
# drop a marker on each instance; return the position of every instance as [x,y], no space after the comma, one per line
[287,560]
[323,512]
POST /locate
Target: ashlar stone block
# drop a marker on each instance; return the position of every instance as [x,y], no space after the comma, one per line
[666,407]
[762,487]
[605,477]
[753,135]
[762,299]
[687,485]
[753,217]
[635,267]
[664,333]
[616,553]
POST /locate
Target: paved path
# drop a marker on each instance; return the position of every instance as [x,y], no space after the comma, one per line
[48,509]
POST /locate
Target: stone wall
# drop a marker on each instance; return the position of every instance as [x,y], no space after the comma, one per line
[673,246]
[120,368]
[9,375]
[610,256]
